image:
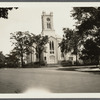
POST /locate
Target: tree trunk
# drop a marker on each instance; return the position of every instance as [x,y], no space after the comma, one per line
[63,54]
[22,61]
[31,58]
[76,58]
[76,55]
[39,59]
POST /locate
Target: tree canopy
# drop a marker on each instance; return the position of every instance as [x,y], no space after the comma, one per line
[40,42]
[88,27]
[88,18]
[21,42]
[4,11]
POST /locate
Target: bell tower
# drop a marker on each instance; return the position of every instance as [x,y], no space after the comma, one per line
[47,24]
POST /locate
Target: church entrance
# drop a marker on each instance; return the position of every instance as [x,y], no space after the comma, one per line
[52,59]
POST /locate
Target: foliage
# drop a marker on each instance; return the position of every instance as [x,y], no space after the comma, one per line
[65,63]
[4,11]
[90,52]
[35,65]
[24,42]
[40,42]
[2,60]
[70,42]
[88,26]
[65,44]
[88,20]
[21,41]
[12,60]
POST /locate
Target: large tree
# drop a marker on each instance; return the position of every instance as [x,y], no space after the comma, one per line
[65,44]
[21,42]
[40,42]
[87,18]
[69,42]
[90,52]
[88,24]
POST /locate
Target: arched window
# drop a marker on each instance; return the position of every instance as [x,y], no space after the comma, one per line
[48,25]
[51,44]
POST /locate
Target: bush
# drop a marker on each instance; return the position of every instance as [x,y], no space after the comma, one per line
[29,65]
[8,65]
[2,65]
[89,62]
[66,63]
[12,65]
[78,63]
[35,65]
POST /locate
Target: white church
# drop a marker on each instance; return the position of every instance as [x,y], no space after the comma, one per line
[53,54]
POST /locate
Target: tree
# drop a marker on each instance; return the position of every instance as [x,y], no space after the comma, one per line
[40,42]
[4,11]
[66,41]
[2,59]
[87,18]
[69,42]
[75,44]
[88,23]
[22,43]
[91,51]
[12,59]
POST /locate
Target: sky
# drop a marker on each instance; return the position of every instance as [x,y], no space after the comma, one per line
[28,18]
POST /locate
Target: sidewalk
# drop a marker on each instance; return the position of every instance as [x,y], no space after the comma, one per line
[89,70]
[92,68]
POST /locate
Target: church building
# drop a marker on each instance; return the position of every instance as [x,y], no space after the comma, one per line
[53,54]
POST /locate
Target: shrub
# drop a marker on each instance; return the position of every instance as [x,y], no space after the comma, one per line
[2,65]
[78,63]
[29,65]
[8,65]
[66,63]
[35,65]
[12,65]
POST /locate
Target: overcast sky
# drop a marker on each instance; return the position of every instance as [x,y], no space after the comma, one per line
[28,18]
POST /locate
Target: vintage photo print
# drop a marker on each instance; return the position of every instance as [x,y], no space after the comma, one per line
[50,49]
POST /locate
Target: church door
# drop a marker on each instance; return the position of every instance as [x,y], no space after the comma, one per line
[52,59]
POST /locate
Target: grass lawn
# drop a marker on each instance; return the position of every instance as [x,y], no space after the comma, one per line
[49,80]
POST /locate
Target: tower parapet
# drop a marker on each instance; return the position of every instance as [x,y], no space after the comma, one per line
[51,13]
[43,13]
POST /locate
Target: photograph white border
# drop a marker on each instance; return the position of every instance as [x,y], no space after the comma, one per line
[51,95]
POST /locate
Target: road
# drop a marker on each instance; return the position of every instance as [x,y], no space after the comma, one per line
[47,80]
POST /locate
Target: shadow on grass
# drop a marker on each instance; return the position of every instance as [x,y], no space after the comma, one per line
[67,69]
[92,72]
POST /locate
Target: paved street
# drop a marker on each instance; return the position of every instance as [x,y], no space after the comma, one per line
[48,80]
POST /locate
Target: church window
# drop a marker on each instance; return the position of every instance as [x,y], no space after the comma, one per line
[48,25]
[48,19]
[51,47]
